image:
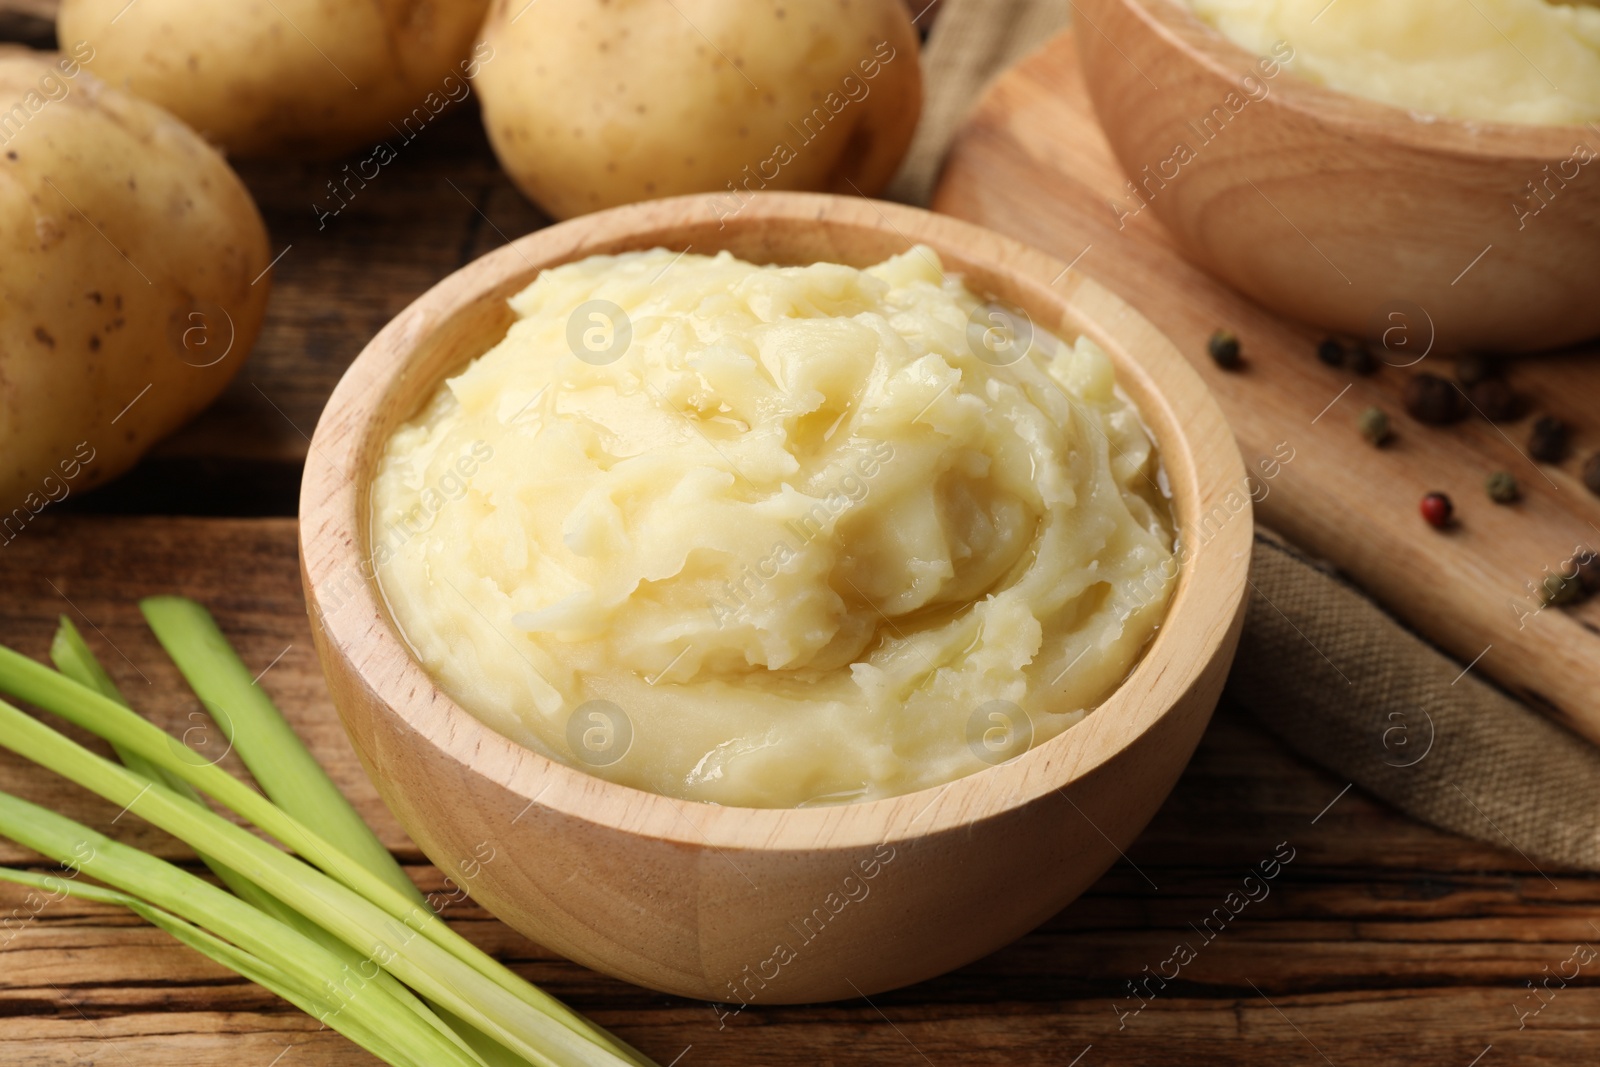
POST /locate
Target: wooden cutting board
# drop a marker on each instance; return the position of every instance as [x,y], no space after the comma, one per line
[1031,162]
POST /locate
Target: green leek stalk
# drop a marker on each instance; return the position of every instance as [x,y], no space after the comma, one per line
[304,967]
[440,964]
[376,1038]
[73,658]
[391,944]
[279,761]
[263,738]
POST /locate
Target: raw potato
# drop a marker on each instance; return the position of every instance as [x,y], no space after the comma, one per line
[593,103]
[127,253]
[310,78]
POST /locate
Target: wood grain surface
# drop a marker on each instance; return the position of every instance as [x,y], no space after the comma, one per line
[1033,163]
[1379,942]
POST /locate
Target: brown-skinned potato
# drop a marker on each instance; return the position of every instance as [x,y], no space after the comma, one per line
[131,279]
[303,78]
[594,103]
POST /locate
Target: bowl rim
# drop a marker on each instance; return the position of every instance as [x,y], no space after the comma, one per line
[1182,27]
[1203,465]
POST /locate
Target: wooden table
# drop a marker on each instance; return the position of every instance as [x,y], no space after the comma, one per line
[1381,942]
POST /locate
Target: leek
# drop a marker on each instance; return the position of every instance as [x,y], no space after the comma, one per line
[440,964]
[280,763]
[263,738]
[300,966]
[73,658]
[261,972]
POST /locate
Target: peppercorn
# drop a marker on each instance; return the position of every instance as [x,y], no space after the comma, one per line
[1374,426]
[1224,349]
[1548,441]
[1576,581]
[1591,474]
[1358,358]
[1495,399]
[1429,398]
[1559,590]
[1331,352]
[1588,564]
[1476,367]
[1436,510]
[1502,488]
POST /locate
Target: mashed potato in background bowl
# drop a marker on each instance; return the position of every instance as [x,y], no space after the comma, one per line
[1518,61]
[774,536]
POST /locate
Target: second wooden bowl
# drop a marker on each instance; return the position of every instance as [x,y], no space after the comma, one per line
[743,905]
[1344,213]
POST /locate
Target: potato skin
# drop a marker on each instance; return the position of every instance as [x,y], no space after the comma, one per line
[302,78]
[594,103]
[127,252]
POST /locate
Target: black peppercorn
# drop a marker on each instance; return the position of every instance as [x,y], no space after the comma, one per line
[1495,399]
[1591,474]
[1475,367]
[1353,356]
[1588,565]
[1548,441]
[1358,358]
[1224,349]
[1429,398]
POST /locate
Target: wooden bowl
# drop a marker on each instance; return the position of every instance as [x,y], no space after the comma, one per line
[747,904]
[1336,210]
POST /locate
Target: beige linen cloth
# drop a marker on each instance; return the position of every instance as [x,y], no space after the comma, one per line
[1445,747]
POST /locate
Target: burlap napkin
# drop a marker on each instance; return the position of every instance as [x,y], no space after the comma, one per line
[1406,722]
[1396,717]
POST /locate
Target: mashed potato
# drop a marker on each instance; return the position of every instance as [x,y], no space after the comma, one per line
[774,536]
[1518,61]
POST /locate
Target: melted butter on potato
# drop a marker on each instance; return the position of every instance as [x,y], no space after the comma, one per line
[795,529]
